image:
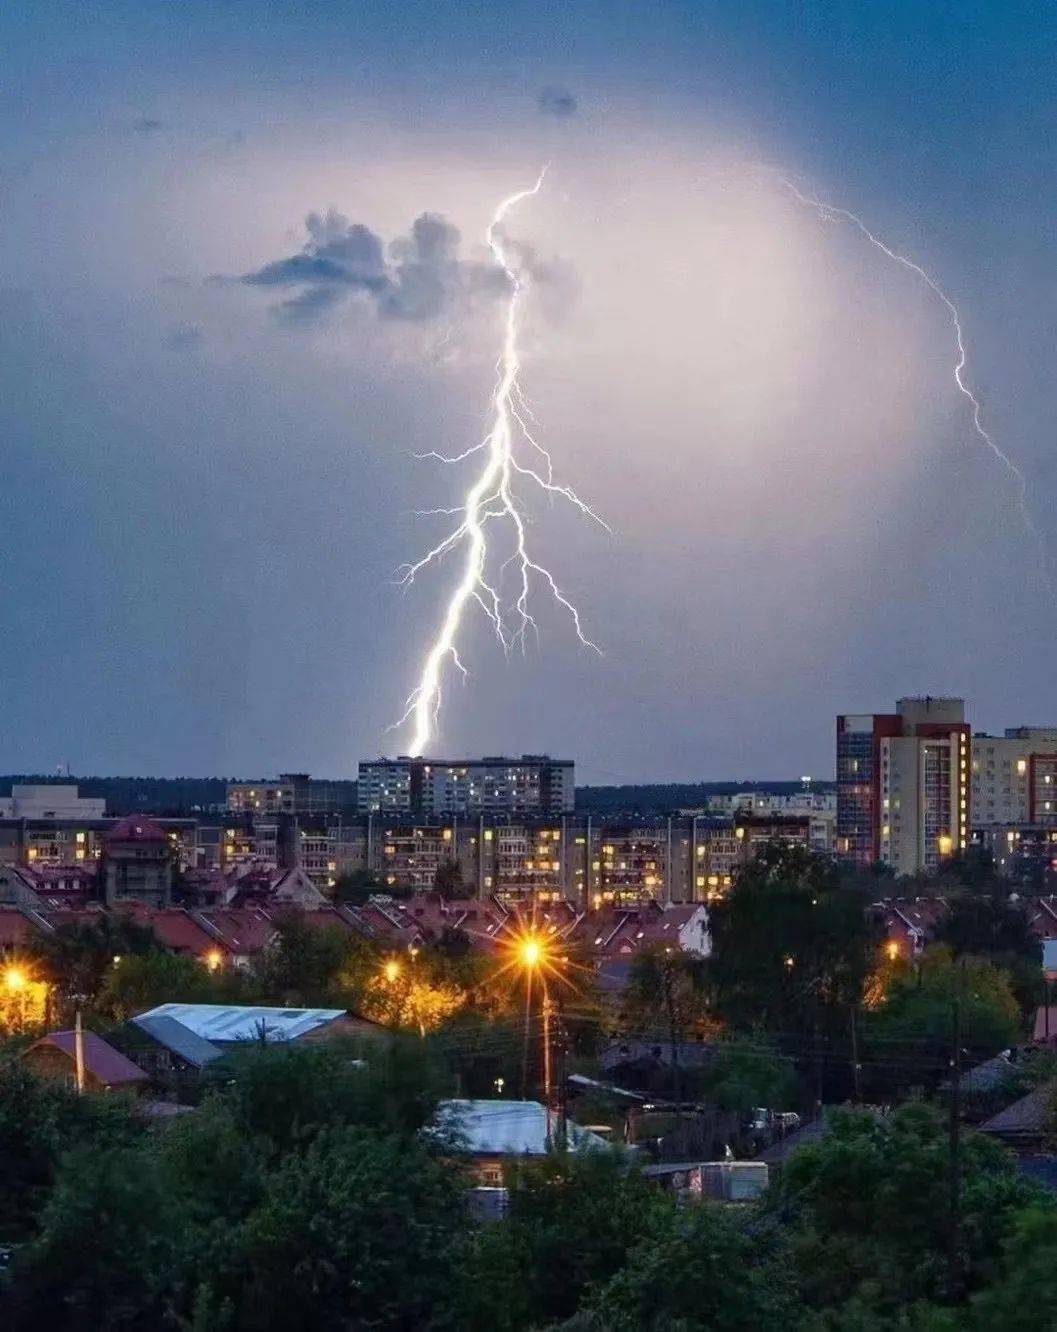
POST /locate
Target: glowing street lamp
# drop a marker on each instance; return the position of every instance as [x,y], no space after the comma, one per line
[15,979]
[392,970]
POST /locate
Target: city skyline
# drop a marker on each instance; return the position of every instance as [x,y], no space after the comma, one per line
[210,488]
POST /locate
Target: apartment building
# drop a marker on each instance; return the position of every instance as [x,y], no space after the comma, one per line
[903,784]
[534,785]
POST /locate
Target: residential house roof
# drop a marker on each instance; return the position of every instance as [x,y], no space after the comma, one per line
[136,829]
[1025,1119]
[229,1023]
[15,927]
[506,1128]
[179,1039]
[102,1061]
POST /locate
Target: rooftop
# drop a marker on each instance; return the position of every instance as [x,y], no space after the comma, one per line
[506,1128]
[225,1023]
[101,1060]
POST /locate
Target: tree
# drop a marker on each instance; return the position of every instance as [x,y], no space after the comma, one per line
[868,1208]
[680,1276]
[750,1072]
[666,997]
[109,1246]
[39,1120]
[448,879]
[354,887]
[1026,1294]
[142,981]
[572,1221]
[76,960]
[284,1095]
[303,963]
[907,1037]
[360,1230]
[792,947]
[995,926]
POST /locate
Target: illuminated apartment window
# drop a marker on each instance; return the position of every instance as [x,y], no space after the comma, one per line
[1022,766]
[700,880]
[488,834]
[80,838]
[447,834]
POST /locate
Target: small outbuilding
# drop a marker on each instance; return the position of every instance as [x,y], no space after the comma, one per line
[105,1069]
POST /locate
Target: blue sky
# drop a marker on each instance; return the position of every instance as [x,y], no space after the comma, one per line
[203,506]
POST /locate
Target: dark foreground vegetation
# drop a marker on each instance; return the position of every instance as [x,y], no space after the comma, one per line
[303,1194]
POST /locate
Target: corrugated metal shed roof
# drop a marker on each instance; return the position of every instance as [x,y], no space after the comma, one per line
[506,1128]
[181,1040]
[225,1023]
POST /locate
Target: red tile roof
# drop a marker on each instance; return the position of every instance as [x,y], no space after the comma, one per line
[136,829]
[15,928]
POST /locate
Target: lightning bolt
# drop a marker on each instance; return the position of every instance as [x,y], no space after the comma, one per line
[491,502]
[832,213]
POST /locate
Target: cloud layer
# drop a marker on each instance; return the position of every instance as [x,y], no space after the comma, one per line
[416,277]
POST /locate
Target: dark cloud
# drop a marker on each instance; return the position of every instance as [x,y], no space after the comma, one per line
[147,125]
[558,102]
[418,277]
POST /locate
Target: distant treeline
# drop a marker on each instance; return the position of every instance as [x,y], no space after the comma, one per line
[176,796]
[661,797]
[172,796]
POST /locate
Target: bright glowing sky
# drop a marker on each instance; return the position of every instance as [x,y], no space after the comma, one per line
[204,502]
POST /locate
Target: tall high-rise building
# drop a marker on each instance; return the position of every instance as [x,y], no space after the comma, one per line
[903,784]
[1014,777]
[534,784]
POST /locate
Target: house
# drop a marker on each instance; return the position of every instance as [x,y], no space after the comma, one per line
[163,1045]
[1026,1123]
[138,863]
[722,1181]
[1046,1024]
[493,1133]
[226,1025]
[105,1069]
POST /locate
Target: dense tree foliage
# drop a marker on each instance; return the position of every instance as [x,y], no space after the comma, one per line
[304,1193]
[908,1036]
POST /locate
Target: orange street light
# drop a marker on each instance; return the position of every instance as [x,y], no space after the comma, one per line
[392,970]
[531,952]
[15,978]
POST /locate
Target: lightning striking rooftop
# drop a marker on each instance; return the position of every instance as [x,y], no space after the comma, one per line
[831,213]
[491,507]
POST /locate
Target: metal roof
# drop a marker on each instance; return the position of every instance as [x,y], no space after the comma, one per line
[181,1040]
[506,1128]
[225,1023]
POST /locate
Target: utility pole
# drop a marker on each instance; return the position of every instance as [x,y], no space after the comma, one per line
[78,1050]
[954,1273]
[856,1067]
[563,1095]
[547,1057]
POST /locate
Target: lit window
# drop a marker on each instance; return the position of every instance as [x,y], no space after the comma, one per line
[447,834]
[80,838]
[488,834]
[1022,766]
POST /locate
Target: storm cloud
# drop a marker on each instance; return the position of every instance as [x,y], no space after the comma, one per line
[558,102]
[419,277]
